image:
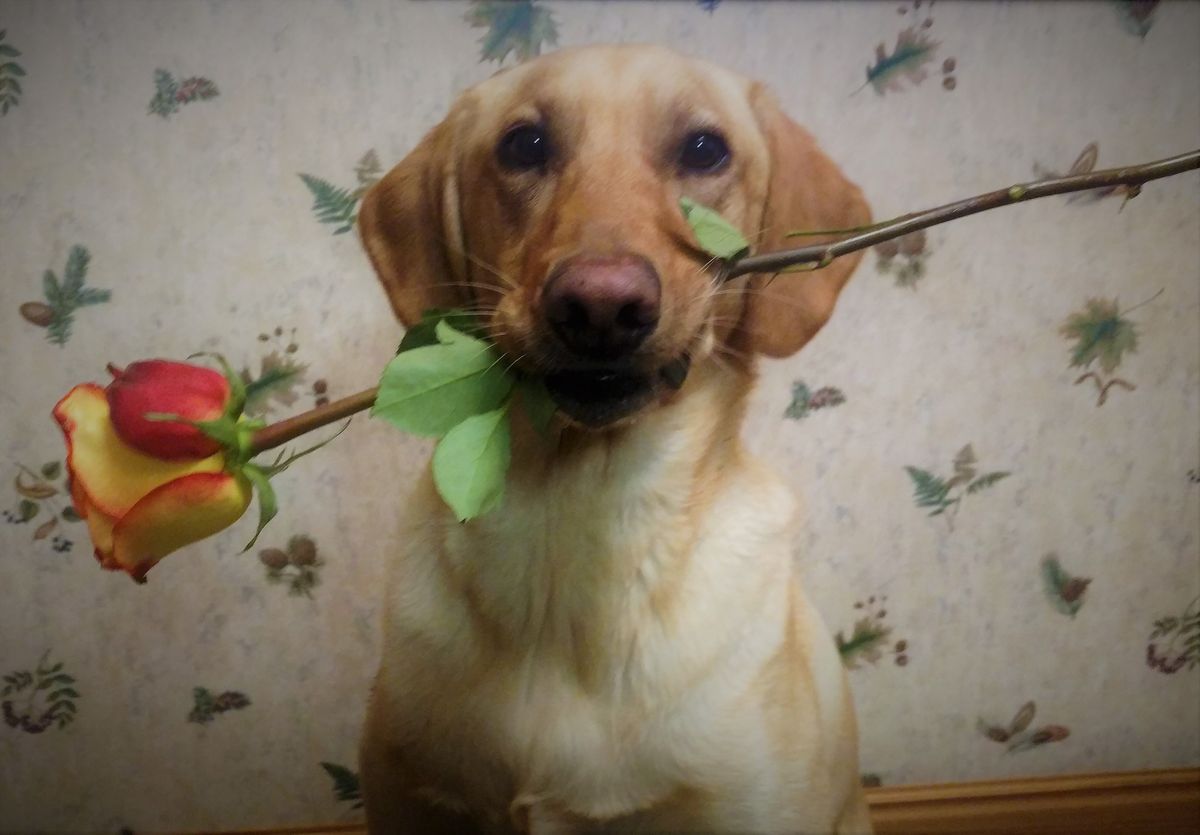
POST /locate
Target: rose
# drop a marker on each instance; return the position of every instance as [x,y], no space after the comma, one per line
[152,387]
[144,473]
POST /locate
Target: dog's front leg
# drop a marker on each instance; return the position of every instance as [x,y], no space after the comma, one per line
[392,804]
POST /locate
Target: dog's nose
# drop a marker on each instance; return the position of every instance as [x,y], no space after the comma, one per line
[602,307]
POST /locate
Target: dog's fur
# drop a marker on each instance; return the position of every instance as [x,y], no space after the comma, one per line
[623,645]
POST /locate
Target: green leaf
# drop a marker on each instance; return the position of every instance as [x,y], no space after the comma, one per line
[801,395]
[986,481]
[431,389]
[12,68]
[27,509]
[9,51]
[268,505]
[716,235]
[470,464]
[425,332]
[51,469]
[1100,333]
[12,86]
[64,693]
[537,403]
[914,49]
[521,27]
[332,204]
[928,489]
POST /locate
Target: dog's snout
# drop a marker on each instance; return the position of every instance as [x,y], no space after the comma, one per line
[602,307]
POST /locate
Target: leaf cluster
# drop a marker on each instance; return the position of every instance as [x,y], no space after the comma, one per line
[10,71]
[941,494]
[1101,334]
[520,27]
[864,643]
[457,388]
[1064,591]
[66,296]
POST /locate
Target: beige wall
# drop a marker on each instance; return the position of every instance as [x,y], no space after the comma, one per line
[199,225]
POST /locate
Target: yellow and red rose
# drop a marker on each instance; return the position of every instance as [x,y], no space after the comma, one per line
[144,473]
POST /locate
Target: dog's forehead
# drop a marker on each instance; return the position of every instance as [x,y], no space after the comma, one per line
[619,78]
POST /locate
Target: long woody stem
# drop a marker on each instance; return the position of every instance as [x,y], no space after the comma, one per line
[822,254]
[1132,176]
[278,434]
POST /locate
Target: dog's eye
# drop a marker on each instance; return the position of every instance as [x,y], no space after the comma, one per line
[703,153]
[524,147]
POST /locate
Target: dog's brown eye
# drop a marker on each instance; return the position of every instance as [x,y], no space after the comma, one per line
[703,153]
[524,147]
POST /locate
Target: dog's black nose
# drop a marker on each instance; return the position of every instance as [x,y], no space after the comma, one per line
[602,306]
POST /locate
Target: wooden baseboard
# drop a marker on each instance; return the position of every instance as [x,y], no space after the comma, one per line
[1165,802]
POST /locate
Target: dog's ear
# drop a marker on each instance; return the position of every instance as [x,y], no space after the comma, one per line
[411,228]
[806,191]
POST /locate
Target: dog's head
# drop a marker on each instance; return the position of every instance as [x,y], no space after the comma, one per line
[547,202]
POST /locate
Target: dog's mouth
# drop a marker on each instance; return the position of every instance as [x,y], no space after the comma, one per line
[598,397]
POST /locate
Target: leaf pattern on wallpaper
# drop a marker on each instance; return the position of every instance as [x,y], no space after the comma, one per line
[170,95]
[1136,16]
[345,784]
[709,6]
[38,492]
[10,71]
[904,258]
[336,205]
[914,49]
[63,298]
[1102,334]
[280,375]
[1065,591]
[206,706]
[870,637]
[297,565]
[946,494]
[1175,641]
[805,401]
[522,27]
[40,698]
[1085,163]
[1017,736]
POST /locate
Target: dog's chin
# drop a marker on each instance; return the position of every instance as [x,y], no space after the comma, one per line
[602,398]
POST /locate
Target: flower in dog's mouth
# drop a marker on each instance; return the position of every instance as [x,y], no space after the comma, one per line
[599,397]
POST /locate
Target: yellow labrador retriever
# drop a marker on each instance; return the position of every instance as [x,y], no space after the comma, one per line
[623,645]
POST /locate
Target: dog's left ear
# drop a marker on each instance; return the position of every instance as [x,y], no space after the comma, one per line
[806,192]
[410,226]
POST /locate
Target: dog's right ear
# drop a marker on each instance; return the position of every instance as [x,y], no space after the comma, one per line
[412,230]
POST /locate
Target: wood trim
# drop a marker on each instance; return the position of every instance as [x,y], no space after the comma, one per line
[1165,802]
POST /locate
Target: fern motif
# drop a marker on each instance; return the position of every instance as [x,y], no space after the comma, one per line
[338,206]
[49,697]
[914,49]
[943,494]
[64,297]
[10,71]
[345,784]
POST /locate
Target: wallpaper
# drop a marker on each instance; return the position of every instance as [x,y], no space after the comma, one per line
[996,438]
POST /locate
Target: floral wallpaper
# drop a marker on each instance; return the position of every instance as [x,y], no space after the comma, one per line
[995,438]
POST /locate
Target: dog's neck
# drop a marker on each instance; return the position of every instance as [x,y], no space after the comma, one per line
[596,529]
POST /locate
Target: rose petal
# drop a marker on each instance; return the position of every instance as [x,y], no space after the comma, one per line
[178,513]
[112,476]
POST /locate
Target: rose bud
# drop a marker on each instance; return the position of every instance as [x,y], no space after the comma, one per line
[161,387]
[139,507]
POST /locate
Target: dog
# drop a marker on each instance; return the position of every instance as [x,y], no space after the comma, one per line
[623,645]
